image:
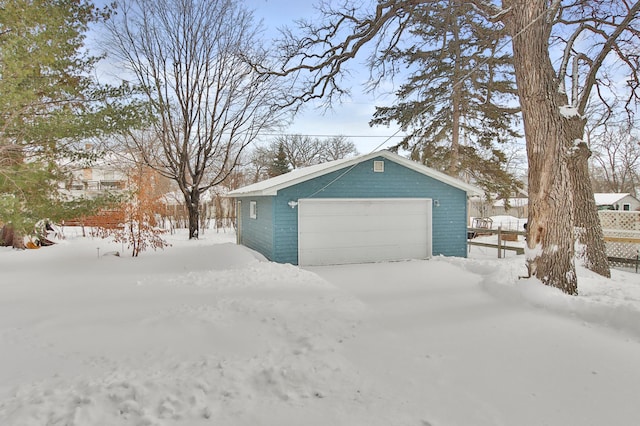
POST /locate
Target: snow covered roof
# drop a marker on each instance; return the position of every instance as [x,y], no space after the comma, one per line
[272,186]
[603,199]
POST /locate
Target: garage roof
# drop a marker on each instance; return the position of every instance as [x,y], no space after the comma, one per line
[271,186]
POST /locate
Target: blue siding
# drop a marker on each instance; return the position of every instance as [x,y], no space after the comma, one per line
[258,233]
[449,220]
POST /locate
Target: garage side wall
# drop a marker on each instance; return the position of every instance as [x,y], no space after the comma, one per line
[449,208]
[257,233]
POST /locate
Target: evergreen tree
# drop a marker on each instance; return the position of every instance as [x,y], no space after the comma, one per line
[48,102]
[280,164]
[455,103]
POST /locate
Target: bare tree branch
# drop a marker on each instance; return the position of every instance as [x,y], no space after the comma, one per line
[209,104]
[591,78]
[318,59]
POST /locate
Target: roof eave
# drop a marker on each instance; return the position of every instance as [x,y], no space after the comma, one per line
[420,168]
[273,190]
[262,193]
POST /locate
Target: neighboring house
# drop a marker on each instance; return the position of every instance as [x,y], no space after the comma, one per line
[617,201]
[517,207]
[375,207]
[103,176]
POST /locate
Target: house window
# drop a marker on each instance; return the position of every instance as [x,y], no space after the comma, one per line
[626,207]
[253,209]
[378,166]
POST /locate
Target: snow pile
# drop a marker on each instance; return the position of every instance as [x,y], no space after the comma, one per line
[207,332]
[613,303]
[205,335]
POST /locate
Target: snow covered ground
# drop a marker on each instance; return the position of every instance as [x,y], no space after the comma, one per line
[209,333]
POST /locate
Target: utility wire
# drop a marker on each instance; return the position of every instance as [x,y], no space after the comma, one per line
[331,136]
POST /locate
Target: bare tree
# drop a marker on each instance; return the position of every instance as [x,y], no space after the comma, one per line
[516,161]
[207,103]
[337,148]
[589,32]
[260,159]
[301,151]
[617,160]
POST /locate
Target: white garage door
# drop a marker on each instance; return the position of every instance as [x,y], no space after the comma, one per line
[341,231]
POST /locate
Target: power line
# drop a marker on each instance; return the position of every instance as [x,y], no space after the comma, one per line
[332,136]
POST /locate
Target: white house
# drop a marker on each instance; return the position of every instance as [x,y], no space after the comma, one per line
[617,201]
[518,206]
[479,206]
[109,173]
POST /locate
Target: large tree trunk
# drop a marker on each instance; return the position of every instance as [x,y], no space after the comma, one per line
[550,253]
[9,237]
[192,200]
[591,247]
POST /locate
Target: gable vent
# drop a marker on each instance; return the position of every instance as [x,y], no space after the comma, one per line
[378,166]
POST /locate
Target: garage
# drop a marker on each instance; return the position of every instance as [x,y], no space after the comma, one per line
[342,231]
[376,207]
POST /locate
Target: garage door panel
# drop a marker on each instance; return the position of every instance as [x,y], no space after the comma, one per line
[357,255]
[338,231]
[318,224]
[360,239]
[338,208]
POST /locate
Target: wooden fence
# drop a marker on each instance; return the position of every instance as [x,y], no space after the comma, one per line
[503,237]
[621,250]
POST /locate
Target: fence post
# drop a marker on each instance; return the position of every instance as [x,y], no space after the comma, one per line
[499,241]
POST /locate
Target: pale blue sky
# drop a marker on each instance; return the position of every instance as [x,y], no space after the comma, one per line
[350,118]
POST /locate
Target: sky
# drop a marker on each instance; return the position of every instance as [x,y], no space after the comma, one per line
[207,332]
[350,118]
